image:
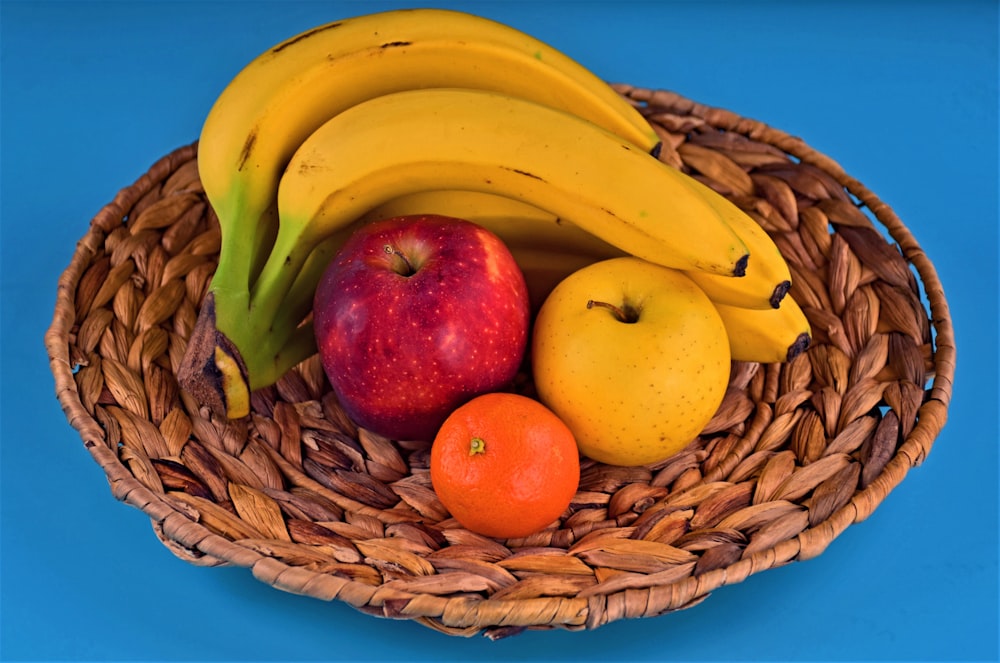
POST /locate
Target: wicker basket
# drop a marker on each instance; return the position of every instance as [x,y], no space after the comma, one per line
[312,505]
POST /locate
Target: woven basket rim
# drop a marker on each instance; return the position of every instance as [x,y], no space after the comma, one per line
[197,544]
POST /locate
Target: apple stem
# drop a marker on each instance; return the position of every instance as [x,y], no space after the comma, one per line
[627,314]
[392,250]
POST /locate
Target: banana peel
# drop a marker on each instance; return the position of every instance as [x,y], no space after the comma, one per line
[212,369]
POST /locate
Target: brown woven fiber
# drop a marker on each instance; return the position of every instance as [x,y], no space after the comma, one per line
[296,493]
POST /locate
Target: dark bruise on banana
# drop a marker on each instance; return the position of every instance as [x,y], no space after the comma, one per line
[247,149]
[525,173]
[305,35]
[212,370]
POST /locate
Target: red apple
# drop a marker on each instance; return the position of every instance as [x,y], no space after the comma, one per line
[416,315]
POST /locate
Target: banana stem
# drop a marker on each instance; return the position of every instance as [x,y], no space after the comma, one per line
[231,281]
[299,345]
[263,332]
[297,304]
[248,227]
[264,234]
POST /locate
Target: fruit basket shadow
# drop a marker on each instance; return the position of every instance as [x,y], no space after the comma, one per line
[295,492]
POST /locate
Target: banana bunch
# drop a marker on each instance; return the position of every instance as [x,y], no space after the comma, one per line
[444,112]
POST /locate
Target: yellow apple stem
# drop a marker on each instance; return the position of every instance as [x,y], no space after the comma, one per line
[627,314]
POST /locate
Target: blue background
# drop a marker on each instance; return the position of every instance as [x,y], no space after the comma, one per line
[903,95]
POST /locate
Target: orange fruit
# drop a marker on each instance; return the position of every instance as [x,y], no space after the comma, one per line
[504,465]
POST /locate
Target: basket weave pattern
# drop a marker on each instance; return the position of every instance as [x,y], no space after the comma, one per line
[296,493]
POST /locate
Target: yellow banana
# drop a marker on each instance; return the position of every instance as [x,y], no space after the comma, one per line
[544,269]
[767,278]
[517,223]
[766,335]
[285,93]
[472,139]
[477,140]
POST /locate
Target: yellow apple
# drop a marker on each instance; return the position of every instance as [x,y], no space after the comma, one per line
[633,357]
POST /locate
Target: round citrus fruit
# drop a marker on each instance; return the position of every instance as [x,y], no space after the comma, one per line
[504,465]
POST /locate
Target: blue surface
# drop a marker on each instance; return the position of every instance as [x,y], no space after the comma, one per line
[903,95]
